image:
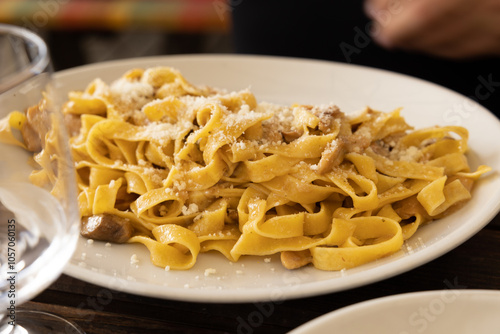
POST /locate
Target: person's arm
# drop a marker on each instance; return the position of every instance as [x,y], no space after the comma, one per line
[446,28]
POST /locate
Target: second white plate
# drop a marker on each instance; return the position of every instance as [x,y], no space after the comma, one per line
[430,312]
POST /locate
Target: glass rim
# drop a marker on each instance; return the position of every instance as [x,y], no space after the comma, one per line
[36,66]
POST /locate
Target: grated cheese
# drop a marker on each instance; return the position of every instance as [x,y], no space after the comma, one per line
[210,271]
[134,259]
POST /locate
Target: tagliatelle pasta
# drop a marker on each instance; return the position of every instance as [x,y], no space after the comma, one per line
[194,169]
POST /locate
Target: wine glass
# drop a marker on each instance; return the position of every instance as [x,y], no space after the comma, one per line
[39,219]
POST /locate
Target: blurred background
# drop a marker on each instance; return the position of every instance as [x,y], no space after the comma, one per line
[88,31]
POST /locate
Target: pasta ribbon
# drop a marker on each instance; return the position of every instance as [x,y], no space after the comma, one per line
[173,246]
[14,120]
[378,236]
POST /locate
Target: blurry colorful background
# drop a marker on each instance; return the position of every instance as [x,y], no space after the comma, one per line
[88,31]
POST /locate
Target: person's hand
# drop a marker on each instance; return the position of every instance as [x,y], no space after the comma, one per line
[446,28]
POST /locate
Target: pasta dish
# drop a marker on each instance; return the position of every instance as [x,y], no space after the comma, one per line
[185,169]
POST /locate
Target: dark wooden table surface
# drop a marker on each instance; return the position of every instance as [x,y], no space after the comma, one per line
[473,265]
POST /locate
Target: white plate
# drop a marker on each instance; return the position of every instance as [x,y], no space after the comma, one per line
[287,81]
[430,312]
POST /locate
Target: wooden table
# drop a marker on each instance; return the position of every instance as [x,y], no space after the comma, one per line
[473,265]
